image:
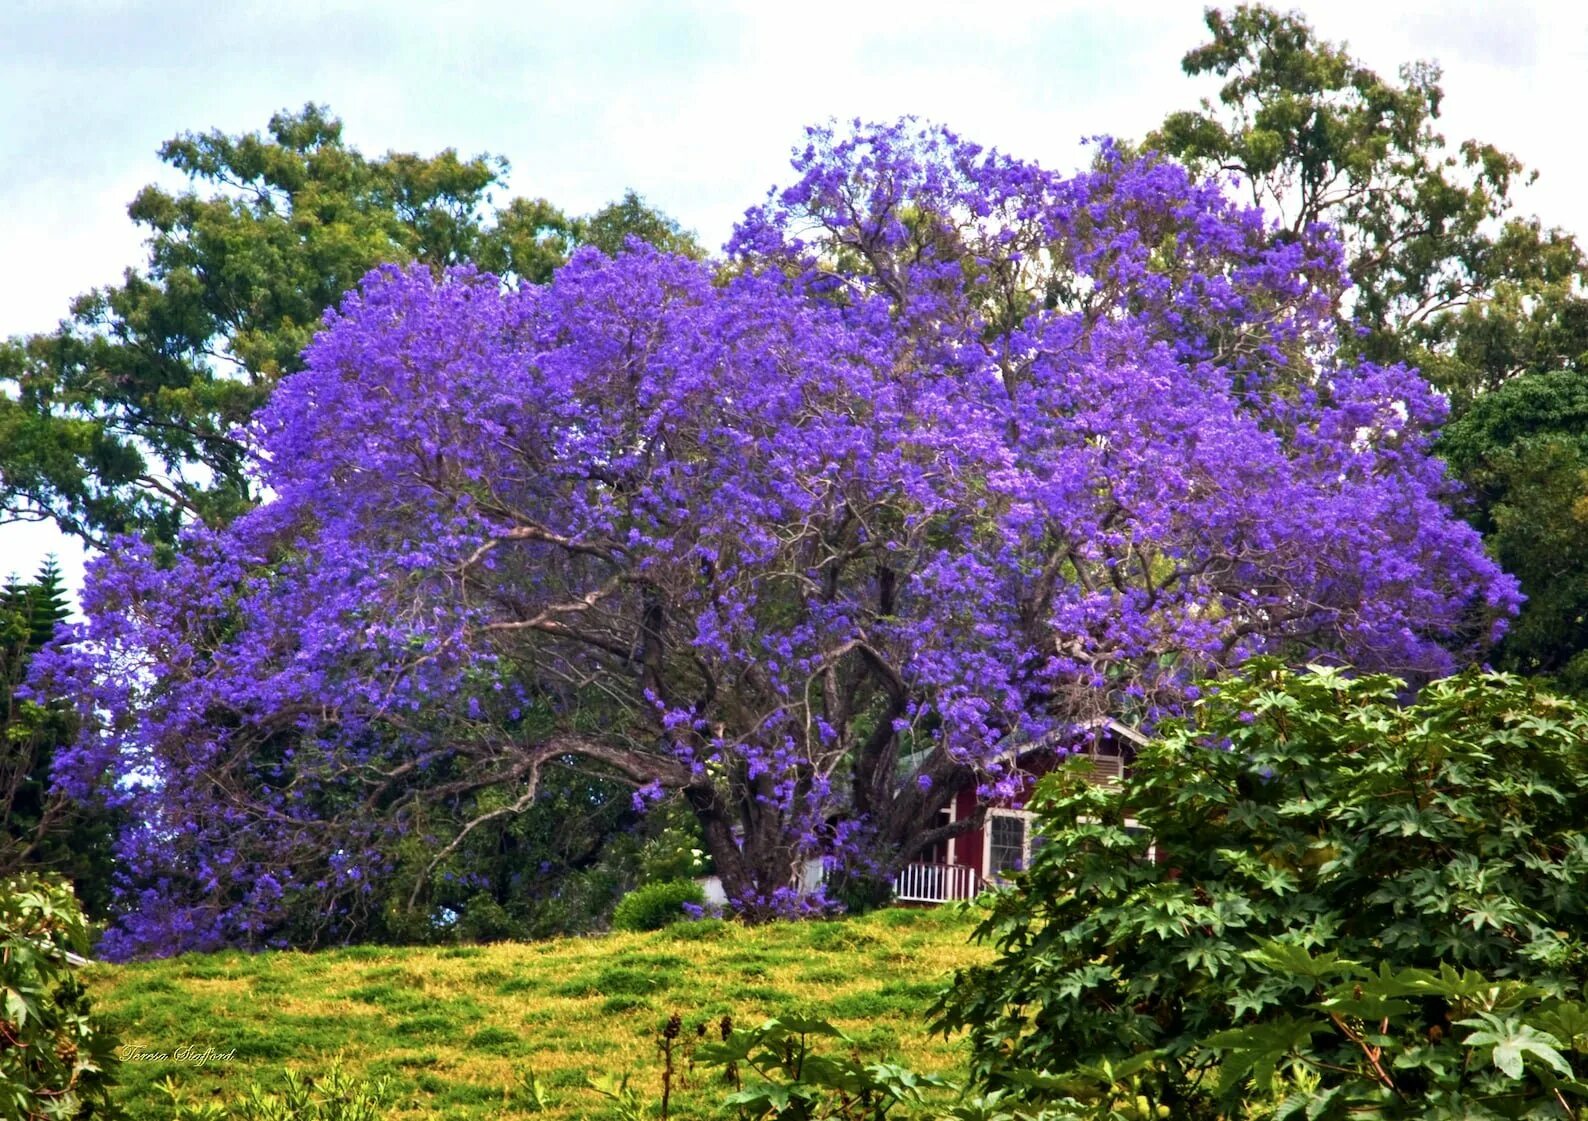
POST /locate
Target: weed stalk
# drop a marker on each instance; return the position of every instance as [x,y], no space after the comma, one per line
[675,1024]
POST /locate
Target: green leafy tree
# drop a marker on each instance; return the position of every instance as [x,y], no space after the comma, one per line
[1446,276]
[40,829]
[609,228]
[123,419]
[1315,813]
[128,409]
[1522,450]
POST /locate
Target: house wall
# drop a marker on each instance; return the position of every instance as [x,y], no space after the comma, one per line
[969,848]
[811,876]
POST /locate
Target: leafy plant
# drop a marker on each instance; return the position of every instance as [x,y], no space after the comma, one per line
[653,906]
[1403,1043]
[796,1083]
[532,1096]
[1291,824]
[625,1099]
[55,1061]
[333,1096]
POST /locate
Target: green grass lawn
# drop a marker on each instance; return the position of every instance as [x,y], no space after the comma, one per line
[455,1028]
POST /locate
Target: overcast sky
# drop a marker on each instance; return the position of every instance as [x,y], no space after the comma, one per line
[693,104]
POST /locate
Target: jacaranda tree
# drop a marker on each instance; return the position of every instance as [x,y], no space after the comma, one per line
[951,455]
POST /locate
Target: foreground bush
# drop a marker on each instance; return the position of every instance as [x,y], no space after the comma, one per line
[55,1062]
[1429,855]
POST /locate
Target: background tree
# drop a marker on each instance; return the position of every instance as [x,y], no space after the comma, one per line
[1446,276]
[811,546]
[556,866]
[41,830]
[123,418]
[1490,305]
[1522,450]
[609,229]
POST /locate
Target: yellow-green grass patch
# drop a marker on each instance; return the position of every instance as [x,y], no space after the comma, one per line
[456,1029]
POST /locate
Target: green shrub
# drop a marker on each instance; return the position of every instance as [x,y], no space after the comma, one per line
[1292,814]
[483,919]
[55,1061]
[654,906]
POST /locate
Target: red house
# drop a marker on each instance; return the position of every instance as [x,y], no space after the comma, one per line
[962,866]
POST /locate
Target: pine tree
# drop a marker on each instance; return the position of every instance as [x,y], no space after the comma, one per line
[48,603]
[41,830]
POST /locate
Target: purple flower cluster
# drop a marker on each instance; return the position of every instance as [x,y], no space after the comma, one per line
[952,455]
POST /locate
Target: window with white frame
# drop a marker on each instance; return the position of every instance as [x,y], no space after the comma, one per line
[1008,842]
[1012,839]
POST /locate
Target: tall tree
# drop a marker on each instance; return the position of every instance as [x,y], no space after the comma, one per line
[883,512]
[130,406]
[125,419]
[1446,276]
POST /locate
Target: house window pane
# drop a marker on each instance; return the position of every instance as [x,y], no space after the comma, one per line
[1008,843]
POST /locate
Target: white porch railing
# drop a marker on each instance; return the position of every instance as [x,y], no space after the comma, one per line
[935,883]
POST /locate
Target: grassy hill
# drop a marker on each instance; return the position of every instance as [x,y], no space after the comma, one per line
[456,1028]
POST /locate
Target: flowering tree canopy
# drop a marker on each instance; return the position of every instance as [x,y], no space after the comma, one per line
[951,456]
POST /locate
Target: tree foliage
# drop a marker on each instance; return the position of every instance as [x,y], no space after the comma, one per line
[41,829]
[1489,304]
[610,228]
[814,544]
[123,419]
[1522,450]
[1446,276]
[560,865]
[1300,857]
